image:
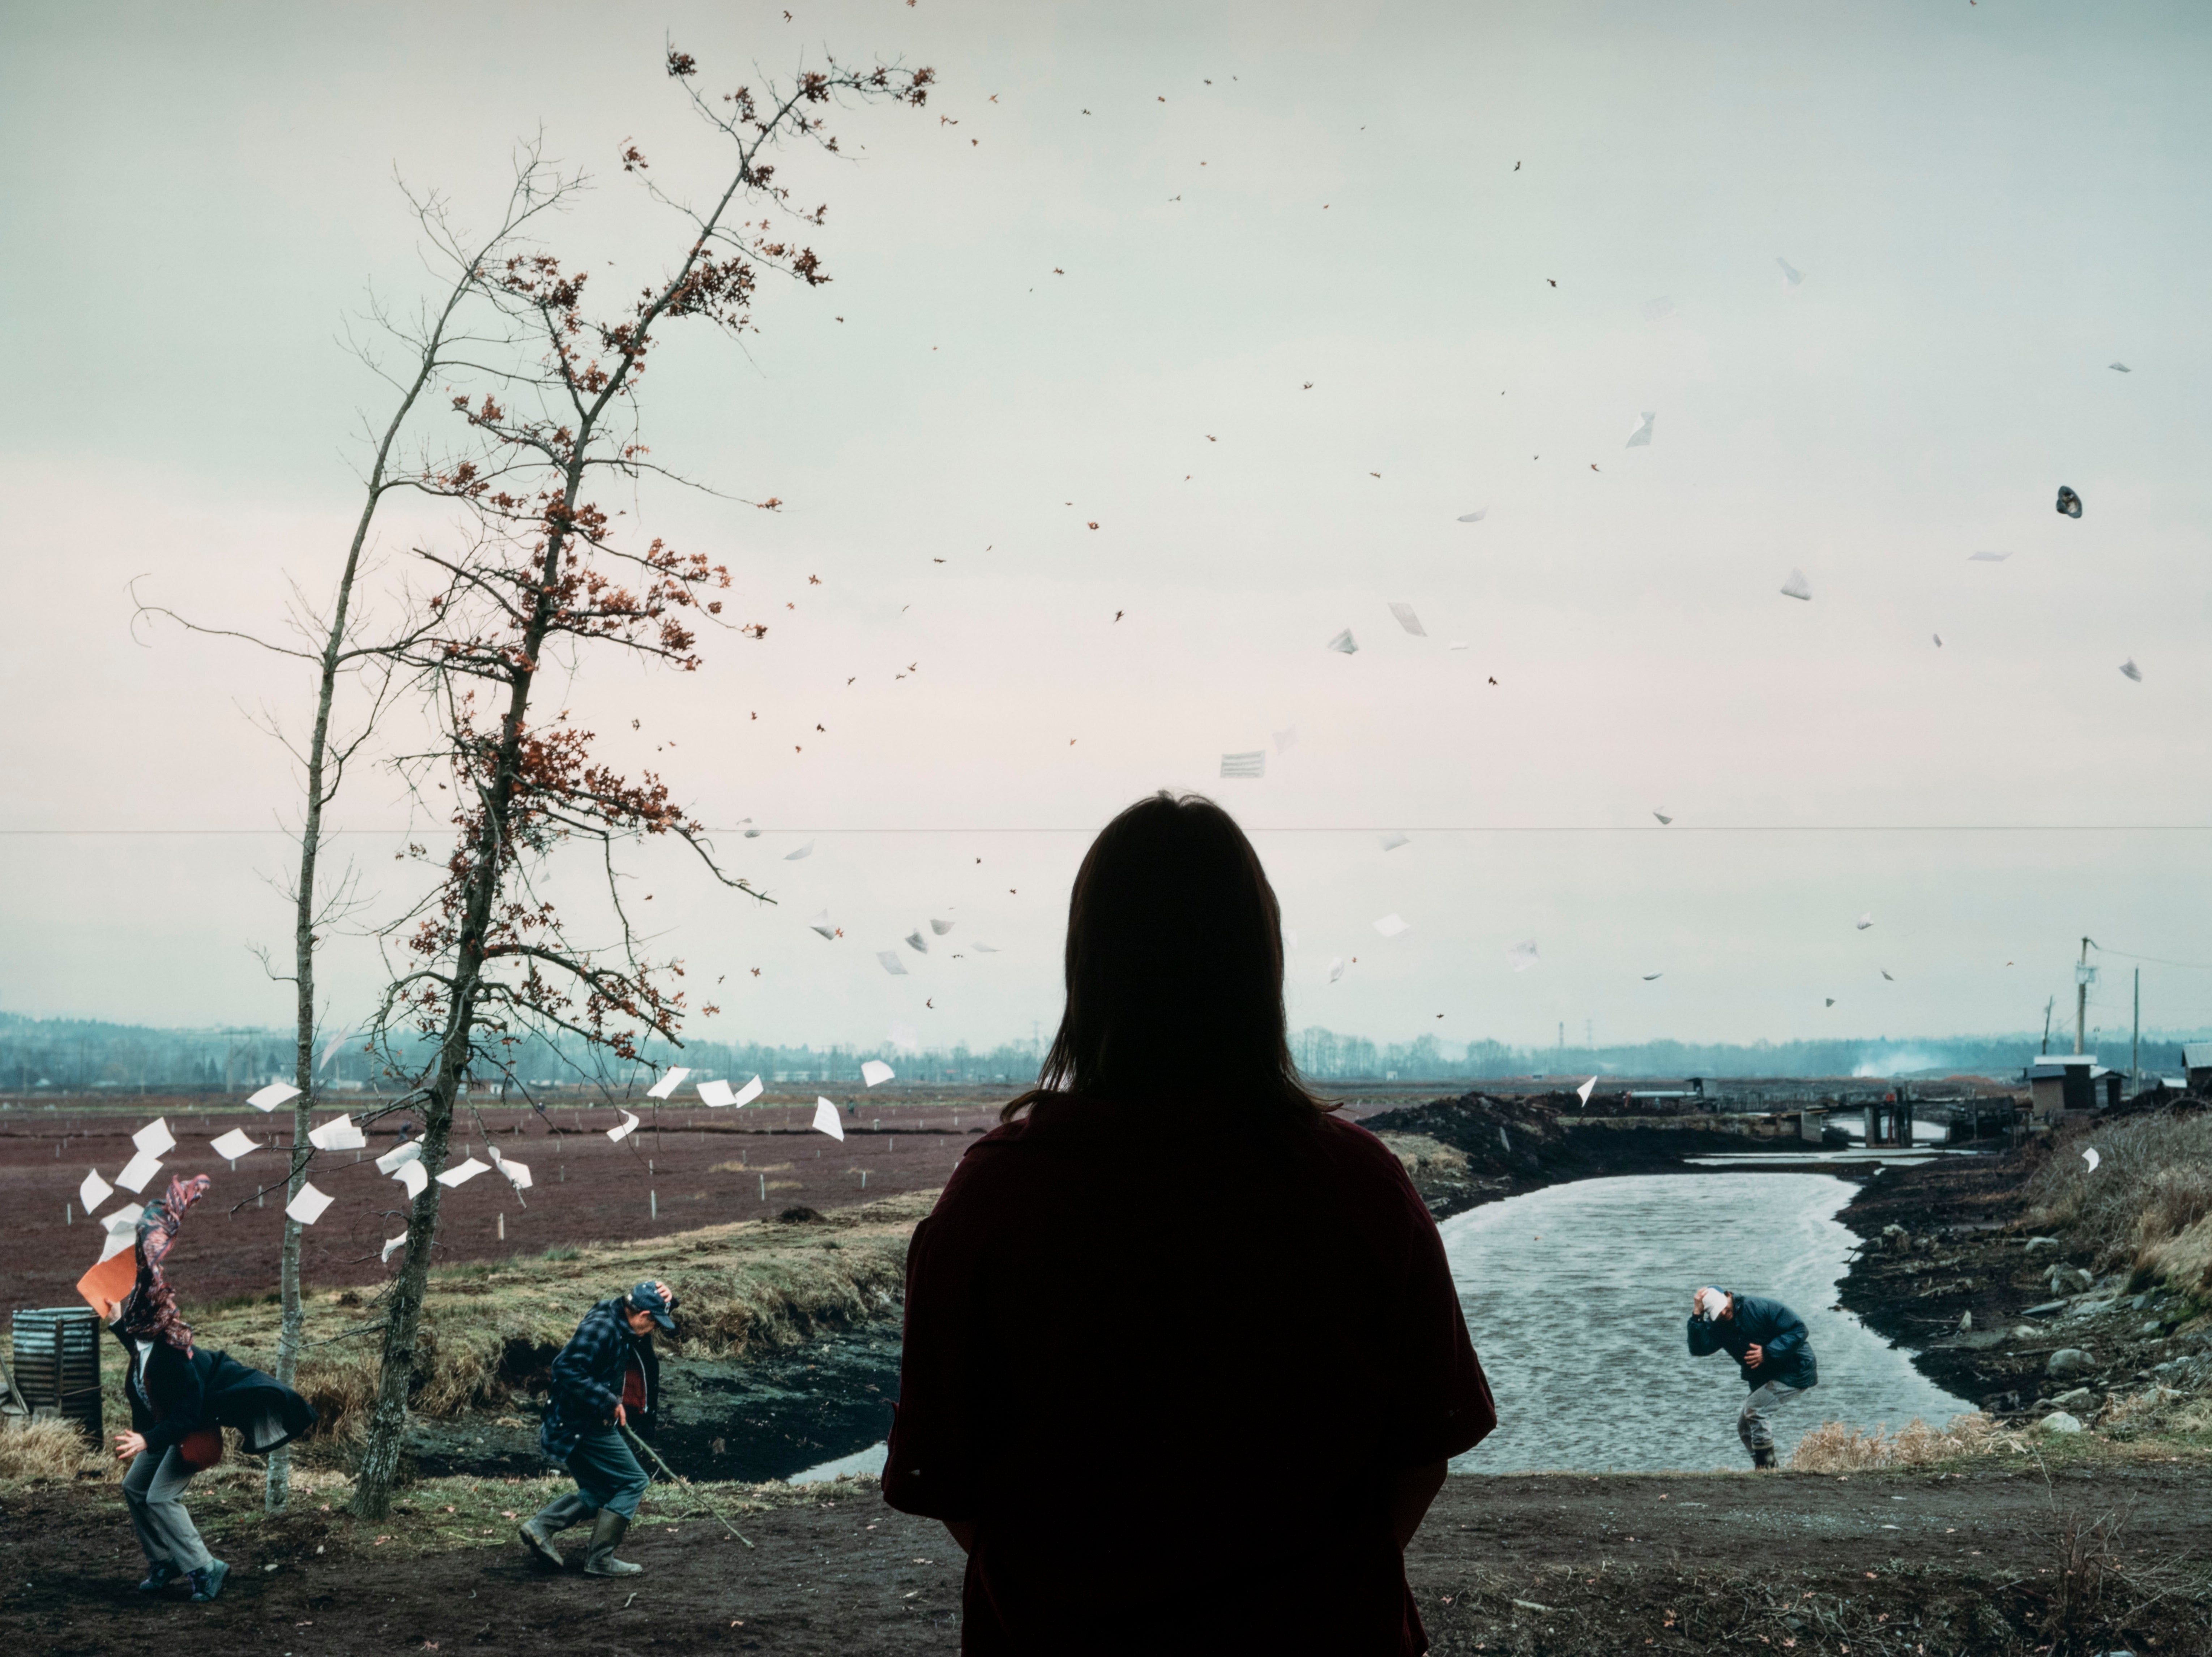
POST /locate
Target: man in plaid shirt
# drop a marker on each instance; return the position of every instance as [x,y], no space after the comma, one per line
[606,1379]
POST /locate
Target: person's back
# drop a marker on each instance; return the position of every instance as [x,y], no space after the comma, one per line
[1172,1355]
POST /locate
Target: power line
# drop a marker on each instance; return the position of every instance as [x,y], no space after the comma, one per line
[1291,828]
[2156,961]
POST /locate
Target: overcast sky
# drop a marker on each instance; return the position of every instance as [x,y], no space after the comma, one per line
[1198,275]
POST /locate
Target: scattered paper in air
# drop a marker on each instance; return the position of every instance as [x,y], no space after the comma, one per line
[826,1119]
[1408,621]
[806,849]
[408,1151]
[1939,640]
[876,1071]
[984,948]
[1662,816]
[392,1245]
[1885,973]
[917,942]
[1988,557]
[1658,310]
[891,964]
[468,1170]
[1254,764]
[155,1139]
[2129,668]
[1336,968]
[1459,644]
[1864,921]
[716,1094]
[1651,978]
[1522,955]
[1474,517]
[125,1220]
[2119,367]
[331,1048]
[272,1096]
[1286,739]
[339,1134]
[1392,842]
[2068,502]
[518,1173]
[414,1177]
[139,1169]
[823,924]
[118,1241]
[1828,1000]
[1583,1092]
[2091,1157]
[1345,643]
[1791,276]
[1796,586]
[940,927]
[1390,926]
[307,1207]
[752,833]
[94,1192]
[1641,437]
[750,1092]
[666,1086]
[629,1126]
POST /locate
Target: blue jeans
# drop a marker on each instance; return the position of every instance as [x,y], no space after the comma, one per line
[606,1472]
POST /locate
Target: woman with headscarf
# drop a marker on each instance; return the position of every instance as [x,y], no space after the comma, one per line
[1184,1362]
[180,1398]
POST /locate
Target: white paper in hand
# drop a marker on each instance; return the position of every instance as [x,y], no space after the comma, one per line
[826,1119]
[629,1126]
[716,1094]
[804,851]
[1797,587]
[750,1092]
[234,1145]
[393,1160]
[666,1086]
[876,1071]
[414,1177]
[1245,765]
[339,1134]
[891,964]
[139,1169]
[1407,620]
[1345,644]
[1641,437]
[272,1096]
[1583,1092]
[464,1173]
[307,1207]
[1390,926]
[94,1192]
[823,924]
[1522,955]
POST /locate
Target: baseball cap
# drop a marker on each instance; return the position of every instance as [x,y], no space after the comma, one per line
[647,1298]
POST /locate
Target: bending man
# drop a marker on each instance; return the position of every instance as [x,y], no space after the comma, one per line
[606,1379]
[1768,1342]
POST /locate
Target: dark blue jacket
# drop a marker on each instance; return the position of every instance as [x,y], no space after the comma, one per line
[1769,1324]
[180,1395]
[588,1379]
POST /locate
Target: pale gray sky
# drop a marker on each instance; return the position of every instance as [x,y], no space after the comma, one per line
[1988,204]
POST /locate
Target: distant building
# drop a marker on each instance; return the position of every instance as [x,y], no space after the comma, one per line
[2196,1060]
[2060,1082]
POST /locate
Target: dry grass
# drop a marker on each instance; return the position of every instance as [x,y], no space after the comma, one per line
[2153,1186]
[41,1449]
[1420,1153]
[2162,1411]
[1834,1447]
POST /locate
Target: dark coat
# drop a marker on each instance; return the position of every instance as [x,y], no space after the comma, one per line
[183,1395]
[1769,1324]
[588,1379]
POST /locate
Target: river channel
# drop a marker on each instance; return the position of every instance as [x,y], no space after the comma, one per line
[1576,1296]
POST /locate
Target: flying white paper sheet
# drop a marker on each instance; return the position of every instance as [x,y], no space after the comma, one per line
[941,927]
[1864,921]
[330,1047]
[2129,668]
[139,1169]
[155,1139]
[1828,1000]
[1790,274]
[826,1119]
[1286,739]
[339,1134]
[1885,973]
[1459,644]
[392,1245]
[806,849]
[985,949]
[1641,437]
[629,1126]
[666,1086]
[1474,517]
[1522,955]
[752,833]
[876,1071]
[891,964]
[234,1145]
[1988,557]
[916,942]
[1653,977]
[414,1177]
[1392,842]
[1939,640]
[716,1094]
[1390,926]
[463,1173]
[1796,586]
[1662,816]
[1408,621]
[2120,367]
[2091,1157]
[1344,643]
[118,1241]
[823,924]
[750,1092]
[125,1220]
[1583,1092]
[518,1173]
[307,1207]
[1658,310]
[1336,968]
[272,1096]
[94,1192]
[1245,765]
[393,1160]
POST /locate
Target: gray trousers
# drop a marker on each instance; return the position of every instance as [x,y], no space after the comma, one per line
[153,1489]
[1750,1424]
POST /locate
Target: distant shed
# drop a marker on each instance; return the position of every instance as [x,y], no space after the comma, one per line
[2060,1082]
[2197,1061]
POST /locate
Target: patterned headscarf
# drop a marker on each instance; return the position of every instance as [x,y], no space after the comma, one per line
[151,1311]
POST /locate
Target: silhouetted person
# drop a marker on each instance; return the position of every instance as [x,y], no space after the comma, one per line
[1771,1352]
[1184,1364]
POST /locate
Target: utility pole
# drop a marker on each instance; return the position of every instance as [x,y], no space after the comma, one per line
[2135,1046]
[2049,1003]
[2082,976]
[1563,1040]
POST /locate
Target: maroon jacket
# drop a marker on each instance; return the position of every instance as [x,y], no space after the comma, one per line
[1169,1372]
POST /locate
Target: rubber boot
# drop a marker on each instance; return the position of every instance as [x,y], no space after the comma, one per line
[607,1537]
[207,1581]
[537,1531]
[160,1577]
[1762,1458]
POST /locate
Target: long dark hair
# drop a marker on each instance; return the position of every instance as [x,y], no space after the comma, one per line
[1175,971]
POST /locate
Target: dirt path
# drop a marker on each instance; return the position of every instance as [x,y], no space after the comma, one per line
[1891,1563]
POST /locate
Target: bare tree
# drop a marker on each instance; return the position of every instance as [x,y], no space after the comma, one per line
[542,571]
[336,645]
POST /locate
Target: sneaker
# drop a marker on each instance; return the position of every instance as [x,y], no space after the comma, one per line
[159,1577]
[206,1582]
